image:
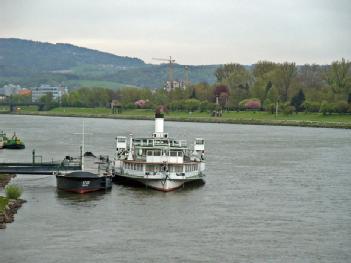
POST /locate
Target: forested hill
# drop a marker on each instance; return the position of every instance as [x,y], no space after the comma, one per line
[33,63]
[39,56]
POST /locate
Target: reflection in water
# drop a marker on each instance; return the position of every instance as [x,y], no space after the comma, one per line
[75,198]
[140,188]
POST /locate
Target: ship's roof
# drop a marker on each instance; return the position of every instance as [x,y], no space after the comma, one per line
[81,175]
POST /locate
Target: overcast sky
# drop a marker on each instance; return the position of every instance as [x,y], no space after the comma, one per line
[192,31]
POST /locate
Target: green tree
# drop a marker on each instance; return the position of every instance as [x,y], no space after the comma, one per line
[284,78]
[339,77]
[297,100]
[48,101]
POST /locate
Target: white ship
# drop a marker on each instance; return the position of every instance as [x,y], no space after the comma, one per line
[159,162]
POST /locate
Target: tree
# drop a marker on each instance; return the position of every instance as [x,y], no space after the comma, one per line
[297,100]
[339,77]
[223,72]
[48,101]
[238,79]
[222,93]
[285,75]
[261,68]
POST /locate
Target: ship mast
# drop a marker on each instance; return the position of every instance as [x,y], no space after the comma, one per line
[83,151]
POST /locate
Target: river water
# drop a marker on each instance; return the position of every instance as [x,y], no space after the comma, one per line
[272,194]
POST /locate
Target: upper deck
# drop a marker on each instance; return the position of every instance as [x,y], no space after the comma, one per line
[159,143]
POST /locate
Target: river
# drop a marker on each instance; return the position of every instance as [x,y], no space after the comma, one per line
[272,194]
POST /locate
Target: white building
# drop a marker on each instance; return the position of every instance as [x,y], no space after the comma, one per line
[177,84]
[9,90]
[43,90]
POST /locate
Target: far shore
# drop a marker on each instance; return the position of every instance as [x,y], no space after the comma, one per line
[253,118]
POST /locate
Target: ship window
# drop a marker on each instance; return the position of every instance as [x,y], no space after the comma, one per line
[178,169]
[180,153]
[200,142]
[121,140]
[149,153]
[173,153]
[157,153]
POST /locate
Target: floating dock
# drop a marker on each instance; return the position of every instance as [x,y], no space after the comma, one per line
[69,164]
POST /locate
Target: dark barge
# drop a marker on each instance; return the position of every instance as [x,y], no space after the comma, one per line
[95,175]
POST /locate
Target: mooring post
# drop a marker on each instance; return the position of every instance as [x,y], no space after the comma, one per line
[33,156]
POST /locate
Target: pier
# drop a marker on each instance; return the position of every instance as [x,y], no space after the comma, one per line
[45,168]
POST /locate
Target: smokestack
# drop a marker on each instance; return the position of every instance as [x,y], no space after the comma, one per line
[159,123]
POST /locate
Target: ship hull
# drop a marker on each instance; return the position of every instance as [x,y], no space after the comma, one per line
[83,182]
[157,184]
[14,146]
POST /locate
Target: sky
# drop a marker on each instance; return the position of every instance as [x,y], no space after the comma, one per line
[191,31]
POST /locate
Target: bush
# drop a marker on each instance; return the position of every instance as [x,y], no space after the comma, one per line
[327,108]
[341,107]
[13,191]
[250,104]
[287,109]
[207,106]
[129,106]
[176,105]
[191,104]
[311,106]
[270,107]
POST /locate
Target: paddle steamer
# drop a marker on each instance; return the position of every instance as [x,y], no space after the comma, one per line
[159,162]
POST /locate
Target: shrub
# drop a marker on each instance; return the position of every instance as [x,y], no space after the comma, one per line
[287,109]
[311,106]
[327,108]
[341,107]
[270,107]
[13,191]
[250,104]
[207,106]
[129,106]
[176,105]
[191,104]
[140,103]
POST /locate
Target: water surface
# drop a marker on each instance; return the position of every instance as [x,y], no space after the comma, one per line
[272,194]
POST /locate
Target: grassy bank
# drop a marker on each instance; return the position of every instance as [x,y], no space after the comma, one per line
[259,118]
[3,203]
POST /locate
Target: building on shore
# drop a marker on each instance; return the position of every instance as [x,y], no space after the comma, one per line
[57,92]
[177,84]
[24,92]
[9,89]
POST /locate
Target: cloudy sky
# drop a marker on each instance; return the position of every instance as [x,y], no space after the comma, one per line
[192,31]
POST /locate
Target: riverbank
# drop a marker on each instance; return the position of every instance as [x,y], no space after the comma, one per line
[5,179]
[254,118]
[8,207]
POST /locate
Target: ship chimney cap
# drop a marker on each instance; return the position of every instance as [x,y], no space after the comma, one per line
[159,112]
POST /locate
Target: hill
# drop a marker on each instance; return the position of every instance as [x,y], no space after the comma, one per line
[32,63]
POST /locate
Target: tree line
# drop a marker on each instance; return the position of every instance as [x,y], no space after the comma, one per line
[264,86]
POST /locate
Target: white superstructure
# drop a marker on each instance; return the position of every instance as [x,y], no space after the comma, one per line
[159,162]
